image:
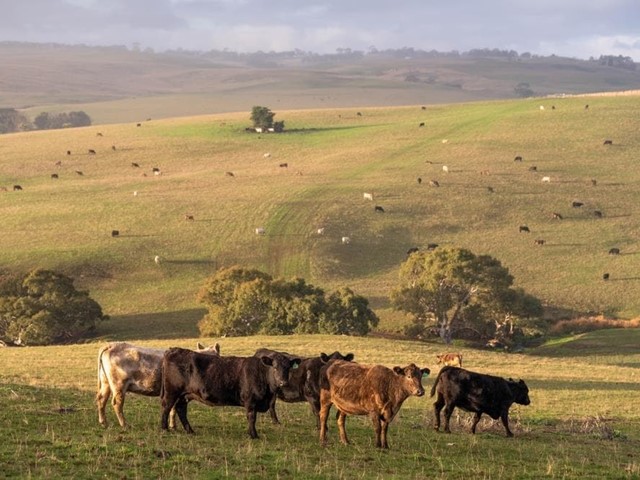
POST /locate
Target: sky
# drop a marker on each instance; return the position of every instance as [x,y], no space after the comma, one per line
[572,28]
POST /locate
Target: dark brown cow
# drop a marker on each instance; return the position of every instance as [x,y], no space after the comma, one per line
[17,188]
[249,382]
[378,208]
[123,367]
[614,251]
[608,142]
[556,216]
[524,228]
[304,381]
[373,390]
[477,393]
[91,151]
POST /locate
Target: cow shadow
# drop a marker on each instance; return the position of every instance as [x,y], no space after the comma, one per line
[583,385]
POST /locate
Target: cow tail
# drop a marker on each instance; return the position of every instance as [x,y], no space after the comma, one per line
[435,384]
[101,366]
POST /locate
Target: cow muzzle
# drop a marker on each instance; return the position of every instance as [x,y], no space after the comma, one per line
[420,392]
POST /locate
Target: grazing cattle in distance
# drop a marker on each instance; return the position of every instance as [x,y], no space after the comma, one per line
[135,165]
[434,183]
[450,359]
[79,172]
[59,163]
[229,174]
[608,142]
[423,107]
[368,196]
[138,124]
[541,107]
[597,213]
[444,140]
[249,382]
[157,260]
[320,231]
[490,189]
[445,169]
[188,216]
[594,182]
[113,147]
[68,152]
[91,151]
[586,107]
[98,134]
[477,393]
[17,188]
[518,158]
[576,204]
[605,276]
[614,251]
[432,246]
[539,241]
[523,229]
[54,175]
[421,124]
[283,165]
[533,168]
[260,231]
[553,107]
[419,180]
[304,381]
[373,390]
[266,155]
[485,172]
[412,250]
[556,216]
[115,233]
[546,179]
[378,208]
[346,240]
[123,367]
[359,114]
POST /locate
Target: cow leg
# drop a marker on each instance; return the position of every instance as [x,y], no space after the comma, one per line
[385,427]
[172,418]
[448,410]
[505,421]
[437,408]
[118,405]
[325,407]
[377,427]
[251,423]
[180,408]
[342,420]
[272,411]
[102,398]
[315,409]
[476,419]
[168,402]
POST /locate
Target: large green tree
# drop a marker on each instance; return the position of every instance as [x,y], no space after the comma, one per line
[262,117]
[452,288]
[246,302]
[43,307]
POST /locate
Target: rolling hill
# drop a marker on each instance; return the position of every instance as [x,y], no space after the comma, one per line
[333,157]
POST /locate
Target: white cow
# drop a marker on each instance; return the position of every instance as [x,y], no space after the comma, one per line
[546,179]
[123,367]
[346,240]
[260,231]
[320,231]
[445,169]
[368,196]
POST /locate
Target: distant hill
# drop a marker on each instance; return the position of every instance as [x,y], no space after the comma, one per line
[114,84]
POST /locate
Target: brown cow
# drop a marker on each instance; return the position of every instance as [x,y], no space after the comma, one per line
[450,359]
[373,390]
[123,367]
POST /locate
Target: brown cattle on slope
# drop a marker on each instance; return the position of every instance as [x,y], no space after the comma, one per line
[373,390]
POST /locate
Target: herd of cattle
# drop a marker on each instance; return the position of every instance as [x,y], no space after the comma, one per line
[178,375]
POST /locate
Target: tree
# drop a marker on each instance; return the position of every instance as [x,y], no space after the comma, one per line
[45,120]
[523,90]
[448,287]
[43,307]
[262,117]
[246,302]
[12,121]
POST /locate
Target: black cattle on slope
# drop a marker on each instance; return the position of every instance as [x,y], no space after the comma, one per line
[304,381]
[249,382]
[477,393]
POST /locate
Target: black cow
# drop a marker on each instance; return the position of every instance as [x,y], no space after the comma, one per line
[523,228]
[54,175]
[115,233]
[412,250]
[68,152]
[283,165]
[421,124]
[92,151]
[378,208]
[533,168]
[135,165]
[249,382]
[477,393]
[304,381]
[518,159]
[16,188]
[576,204]
[614,251]
[432,246]
[605,276]
[597,213]
[419,180]
[608,142]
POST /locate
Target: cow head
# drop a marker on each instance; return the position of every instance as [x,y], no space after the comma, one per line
[280,367]
[520,391]
[212,349]
[336,356]
[412,378]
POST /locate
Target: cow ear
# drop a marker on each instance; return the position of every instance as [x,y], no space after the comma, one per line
[425,372]
[296,362]
[267,360]
[324,357]
[199,346]
[349,357]
[398,370]
[216,347]
[512,380]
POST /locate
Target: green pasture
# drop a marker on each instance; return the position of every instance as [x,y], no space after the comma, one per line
[333,157]
[582,423]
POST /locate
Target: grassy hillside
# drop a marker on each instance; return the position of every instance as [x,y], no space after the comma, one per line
[333,156]
[582,423]
[114,85]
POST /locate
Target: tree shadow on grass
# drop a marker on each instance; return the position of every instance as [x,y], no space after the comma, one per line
[152,326]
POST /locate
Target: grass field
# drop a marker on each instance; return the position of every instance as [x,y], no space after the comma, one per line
[333,156]
[582,423]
